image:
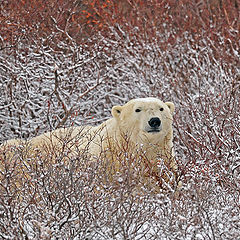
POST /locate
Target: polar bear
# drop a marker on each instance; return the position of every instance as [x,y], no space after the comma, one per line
[141,127]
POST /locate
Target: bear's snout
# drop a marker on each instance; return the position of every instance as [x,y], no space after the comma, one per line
[154,122]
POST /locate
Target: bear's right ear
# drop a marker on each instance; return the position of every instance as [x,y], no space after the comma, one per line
[116,111]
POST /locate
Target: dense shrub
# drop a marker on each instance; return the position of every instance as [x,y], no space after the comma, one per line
[66,63]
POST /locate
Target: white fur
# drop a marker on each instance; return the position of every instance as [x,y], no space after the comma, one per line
[109,136]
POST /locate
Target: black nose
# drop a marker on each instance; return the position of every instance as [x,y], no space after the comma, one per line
[154,122]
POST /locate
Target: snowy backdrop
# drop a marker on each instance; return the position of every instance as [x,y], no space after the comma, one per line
[67,63]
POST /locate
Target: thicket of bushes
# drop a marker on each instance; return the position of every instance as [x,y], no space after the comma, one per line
[67,63]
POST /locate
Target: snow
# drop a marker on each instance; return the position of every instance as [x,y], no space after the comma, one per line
[45,88]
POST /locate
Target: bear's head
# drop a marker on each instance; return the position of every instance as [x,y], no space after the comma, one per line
[145,118]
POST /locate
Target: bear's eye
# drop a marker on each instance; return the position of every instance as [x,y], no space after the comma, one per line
[161,109]
[138,110]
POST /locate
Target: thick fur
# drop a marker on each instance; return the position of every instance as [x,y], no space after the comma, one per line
[128,126]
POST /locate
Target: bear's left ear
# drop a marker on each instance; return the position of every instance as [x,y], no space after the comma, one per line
[171,106]
[116,111]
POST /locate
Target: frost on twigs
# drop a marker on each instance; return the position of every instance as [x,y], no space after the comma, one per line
[186,52]
[52,193]
[48,194]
